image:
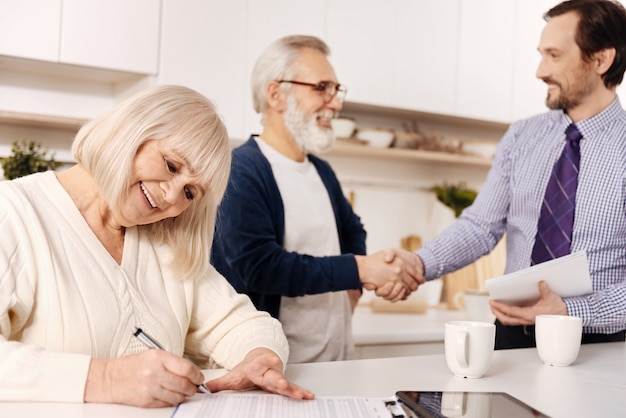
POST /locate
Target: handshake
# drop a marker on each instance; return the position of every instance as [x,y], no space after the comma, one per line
[393,273]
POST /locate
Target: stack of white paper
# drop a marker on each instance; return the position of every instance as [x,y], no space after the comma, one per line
[566,276]
[264,405]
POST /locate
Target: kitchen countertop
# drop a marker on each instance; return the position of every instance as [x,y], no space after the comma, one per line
[376,328]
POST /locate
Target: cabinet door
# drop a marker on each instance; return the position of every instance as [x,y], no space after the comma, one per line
[212,45]
[30,28]
[485,67]
[203,46]
[361,36]
[529,93]
[426,50]
[112,34]
[268,20]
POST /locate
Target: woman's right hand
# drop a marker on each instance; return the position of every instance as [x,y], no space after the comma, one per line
[151,379]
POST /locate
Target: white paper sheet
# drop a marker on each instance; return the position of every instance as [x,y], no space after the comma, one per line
[566,276]
[264,405]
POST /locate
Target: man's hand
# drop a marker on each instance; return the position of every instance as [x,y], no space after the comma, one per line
[548,303]
[392,273]
[262,369]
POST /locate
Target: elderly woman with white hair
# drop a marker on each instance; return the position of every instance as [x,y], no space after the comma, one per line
[119,241]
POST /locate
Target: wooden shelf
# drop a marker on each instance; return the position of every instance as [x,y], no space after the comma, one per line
[398,154]
[40,121]
[339,149]
[450,120]
[61,71]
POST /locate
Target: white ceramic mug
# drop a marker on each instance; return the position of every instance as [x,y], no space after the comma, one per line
[466,404]
[469,346]
[476,305]
[558,338]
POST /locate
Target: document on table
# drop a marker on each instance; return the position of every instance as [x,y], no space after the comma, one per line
[265,405]
[566,276]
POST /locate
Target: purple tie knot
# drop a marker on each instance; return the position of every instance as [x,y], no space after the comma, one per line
[573,135]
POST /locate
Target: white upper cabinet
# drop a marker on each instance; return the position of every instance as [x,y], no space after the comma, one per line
[105,34]
[361,37]
[30,28]
[212,45]
[266,21]
[203,46]
[113,34]
[529,93]
[485,67]
[426,55]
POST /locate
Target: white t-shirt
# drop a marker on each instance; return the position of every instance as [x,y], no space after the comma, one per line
[318,327]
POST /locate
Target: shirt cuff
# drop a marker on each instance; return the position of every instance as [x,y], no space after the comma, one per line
[430,263]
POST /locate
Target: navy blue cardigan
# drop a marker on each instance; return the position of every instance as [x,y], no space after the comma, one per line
[250,227]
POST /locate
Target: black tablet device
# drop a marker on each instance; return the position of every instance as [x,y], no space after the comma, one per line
[425,404]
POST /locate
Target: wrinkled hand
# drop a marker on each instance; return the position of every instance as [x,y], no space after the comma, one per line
[393,273]
[152,379]
[263,369]
[548,303]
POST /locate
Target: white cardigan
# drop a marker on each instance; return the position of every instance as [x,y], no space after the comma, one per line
[64,299]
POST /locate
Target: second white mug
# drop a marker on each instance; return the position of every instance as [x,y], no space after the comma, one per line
[558,338]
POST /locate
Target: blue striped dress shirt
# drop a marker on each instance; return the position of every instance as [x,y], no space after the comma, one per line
[510,201]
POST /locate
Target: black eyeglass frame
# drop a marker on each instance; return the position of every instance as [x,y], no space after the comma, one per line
[329,88]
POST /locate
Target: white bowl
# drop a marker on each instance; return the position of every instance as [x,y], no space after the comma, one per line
[343,127]
[378,138]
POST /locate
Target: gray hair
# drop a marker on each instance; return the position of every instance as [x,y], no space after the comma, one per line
[278,62]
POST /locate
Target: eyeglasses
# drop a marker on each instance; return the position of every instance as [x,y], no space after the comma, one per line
[329,88]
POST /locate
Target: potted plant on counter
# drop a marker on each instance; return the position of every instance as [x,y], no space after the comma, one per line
[455,196]
[27,158]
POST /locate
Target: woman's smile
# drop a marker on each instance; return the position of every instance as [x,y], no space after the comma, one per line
[147,194]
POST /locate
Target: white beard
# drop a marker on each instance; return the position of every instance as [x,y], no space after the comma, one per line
[309,136]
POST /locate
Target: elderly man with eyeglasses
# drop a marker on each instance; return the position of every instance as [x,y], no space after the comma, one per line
[286,235]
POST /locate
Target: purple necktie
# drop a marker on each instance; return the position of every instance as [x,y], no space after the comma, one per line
[554,229]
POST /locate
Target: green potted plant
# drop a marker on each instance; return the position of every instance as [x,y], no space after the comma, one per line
[455,196]
[27,158]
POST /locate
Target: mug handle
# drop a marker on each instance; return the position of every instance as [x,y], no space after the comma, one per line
[462,346]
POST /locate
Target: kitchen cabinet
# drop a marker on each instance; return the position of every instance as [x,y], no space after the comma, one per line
[268,20]
[212,46]
[112,34]
[203,46]
[529,93]
[485,64]
[361,34]
[424,70]
[30,29]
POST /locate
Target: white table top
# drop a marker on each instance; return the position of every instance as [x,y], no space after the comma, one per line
[594,386]
[370,327]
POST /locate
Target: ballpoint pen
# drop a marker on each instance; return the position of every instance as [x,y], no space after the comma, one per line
[150,343]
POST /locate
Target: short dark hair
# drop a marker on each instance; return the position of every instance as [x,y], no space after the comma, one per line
[602,25]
